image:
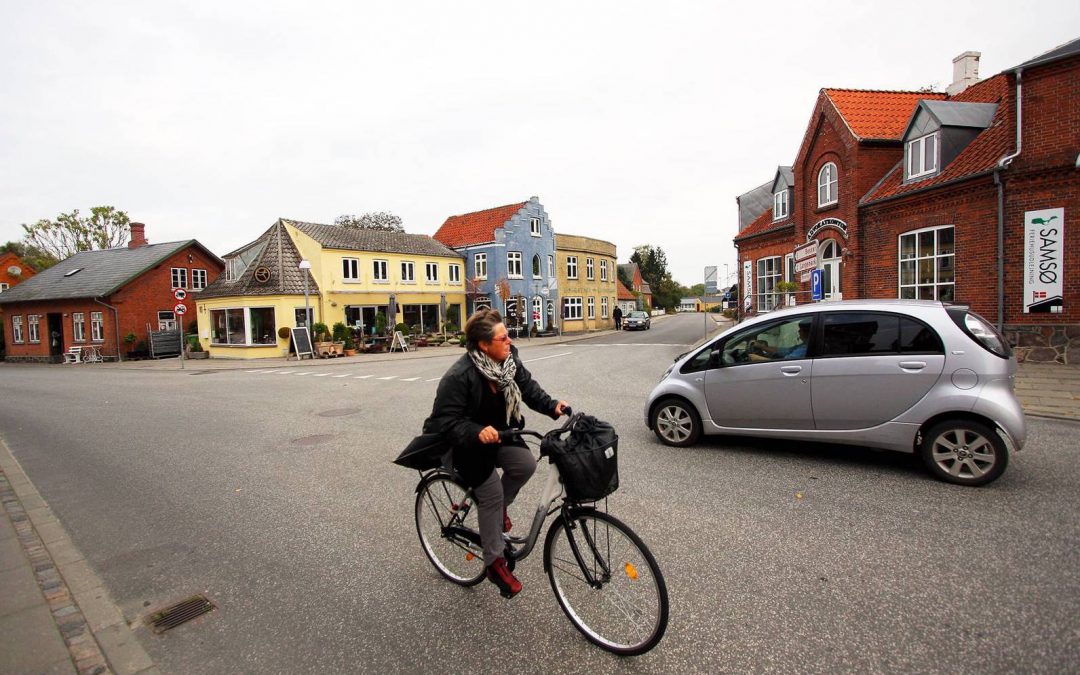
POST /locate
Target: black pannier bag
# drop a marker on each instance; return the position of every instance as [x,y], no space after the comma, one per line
[424,452]
[586,453]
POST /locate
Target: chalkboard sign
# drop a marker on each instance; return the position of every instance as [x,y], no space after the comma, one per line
[301,342]
[399,341]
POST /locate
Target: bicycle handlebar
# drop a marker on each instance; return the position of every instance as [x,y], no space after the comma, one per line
[509,434]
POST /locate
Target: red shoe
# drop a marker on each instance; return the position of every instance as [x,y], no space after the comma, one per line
[507,524]
[499,575]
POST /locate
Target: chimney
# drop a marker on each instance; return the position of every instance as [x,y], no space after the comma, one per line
[138,236]
[965,72]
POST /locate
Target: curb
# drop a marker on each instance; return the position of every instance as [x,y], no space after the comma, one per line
[92,627]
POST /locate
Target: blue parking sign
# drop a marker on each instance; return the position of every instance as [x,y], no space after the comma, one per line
[817,278]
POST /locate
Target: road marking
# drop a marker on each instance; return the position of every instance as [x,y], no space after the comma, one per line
[299,374]
[410,379]
[389,377]
[257,371]
[340,376]
[320,374]
[361,377]
[636,344]
[284,372]
[433,379]
[547,357]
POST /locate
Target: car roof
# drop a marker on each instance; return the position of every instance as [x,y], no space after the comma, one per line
[887,304]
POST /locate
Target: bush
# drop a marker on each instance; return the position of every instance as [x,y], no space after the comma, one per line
[319,331]
[340,331]
[403,327]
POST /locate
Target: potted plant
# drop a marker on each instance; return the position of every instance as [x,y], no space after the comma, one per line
[380,323]
[341,331]
[350,346]
[195,349]
[788,289]
[129,340]
[321,335]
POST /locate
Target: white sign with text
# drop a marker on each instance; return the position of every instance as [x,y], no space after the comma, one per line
[1044,261]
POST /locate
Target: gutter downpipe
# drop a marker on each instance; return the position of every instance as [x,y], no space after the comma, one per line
[116,324]
[1003,164]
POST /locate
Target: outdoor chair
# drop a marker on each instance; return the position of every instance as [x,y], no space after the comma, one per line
[73,355]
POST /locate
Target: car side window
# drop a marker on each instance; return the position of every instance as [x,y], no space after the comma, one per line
[918,338]
[860,333]
[785,340]
[703,360]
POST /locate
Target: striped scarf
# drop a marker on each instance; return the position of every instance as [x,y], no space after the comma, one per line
[502,374]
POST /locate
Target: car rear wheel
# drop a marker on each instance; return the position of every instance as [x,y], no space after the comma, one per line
[964,452]
[676,423]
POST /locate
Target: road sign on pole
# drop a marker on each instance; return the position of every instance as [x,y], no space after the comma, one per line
[179,294]
[817,278]
[180,309]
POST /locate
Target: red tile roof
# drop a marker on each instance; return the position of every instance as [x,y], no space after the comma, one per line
[877,114]
[762,225]
[623,292]
[978,157]
[477,227]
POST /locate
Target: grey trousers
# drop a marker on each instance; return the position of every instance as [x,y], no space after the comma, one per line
[495,493]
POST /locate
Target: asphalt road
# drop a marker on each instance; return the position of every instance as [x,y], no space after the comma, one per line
[273,493]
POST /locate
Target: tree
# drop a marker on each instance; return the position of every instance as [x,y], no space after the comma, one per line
[695,290]
[31,255]
[652,262]
[667,293]
[71,233]
[625,277]
[383,221]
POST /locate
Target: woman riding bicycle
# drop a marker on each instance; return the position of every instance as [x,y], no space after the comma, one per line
[479,396]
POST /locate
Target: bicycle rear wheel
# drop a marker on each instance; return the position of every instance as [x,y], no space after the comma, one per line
[625,608]
[449,529]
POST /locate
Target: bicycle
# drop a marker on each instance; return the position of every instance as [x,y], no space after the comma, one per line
[603,575]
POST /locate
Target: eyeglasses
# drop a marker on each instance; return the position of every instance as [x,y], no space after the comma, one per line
[504,338]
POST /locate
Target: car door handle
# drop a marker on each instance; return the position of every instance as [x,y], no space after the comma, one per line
[912,365]
[791,370]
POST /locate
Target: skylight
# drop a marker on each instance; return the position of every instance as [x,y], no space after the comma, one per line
[73,272]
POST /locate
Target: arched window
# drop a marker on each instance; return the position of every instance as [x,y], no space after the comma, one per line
[827,185]
[536,267]
[829,258]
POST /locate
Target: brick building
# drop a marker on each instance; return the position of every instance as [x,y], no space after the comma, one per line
[13,270]
[950,196]
[94,298]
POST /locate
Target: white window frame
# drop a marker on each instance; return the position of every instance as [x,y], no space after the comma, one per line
[768,270]
[551,266]
[603,270]
[534,227]
[17,336]
[166,320]
[350,270]
[828,185]
[33,334]
[789,267]
[179,274]
[590,269]
[780,205]
[513,265]
[454,273]
[571,267]
[78,326]
[936,259]
[431,272]
[97,327]
[538,309]
[538,267]
[380,271]
[591,304]
[4,286]
[480,266]
[408,272]
[572,308]
[248,342]
[199,278]
[918,164]
[603,308]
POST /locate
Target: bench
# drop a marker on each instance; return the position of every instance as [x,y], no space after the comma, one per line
[73,355]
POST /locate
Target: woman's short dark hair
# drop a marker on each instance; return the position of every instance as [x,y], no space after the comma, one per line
[481,327]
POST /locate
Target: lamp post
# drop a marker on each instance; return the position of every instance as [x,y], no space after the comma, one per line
[304,266]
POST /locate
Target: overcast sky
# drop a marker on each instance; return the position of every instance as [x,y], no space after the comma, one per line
[634,122]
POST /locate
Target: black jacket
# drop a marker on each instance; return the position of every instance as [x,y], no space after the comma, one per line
[456,411]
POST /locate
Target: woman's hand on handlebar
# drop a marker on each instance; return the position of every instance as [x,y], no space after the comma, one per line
[563,408]
[489,435]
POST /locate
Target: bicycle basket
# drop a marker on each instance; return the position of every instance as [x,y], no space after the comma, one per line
[424,452]
[586,453]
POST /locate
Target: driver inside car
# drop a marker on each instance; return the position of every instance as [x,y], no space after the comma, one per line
[762,351]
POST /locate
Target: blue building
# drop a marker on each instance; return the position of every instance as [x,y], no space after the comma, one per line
[509,261]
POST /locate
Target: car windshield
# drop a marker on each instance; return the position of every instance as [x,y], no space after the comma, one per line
[638,315]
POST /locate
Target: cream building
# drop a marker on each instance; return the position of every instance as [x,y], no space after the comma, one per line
[587,282]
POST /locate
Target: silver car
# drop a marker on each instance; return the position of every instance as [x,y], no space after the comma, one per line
[637,321]
[907,375]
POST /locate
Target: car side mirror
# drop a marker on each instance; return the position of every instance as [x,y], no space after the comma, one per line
[714,359]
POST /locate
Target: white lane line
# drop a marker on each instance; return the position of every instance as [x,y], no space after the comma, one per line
[299,374]
[336,377]
[320,374]
[410,379]
[257,371]
[548,357]
[433,379]
[284,372]
[635,344]
[361,377]
[389,377]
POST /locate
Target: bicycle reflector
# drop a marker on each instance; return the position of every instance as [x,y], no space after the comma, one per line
[469,557]
[631,571]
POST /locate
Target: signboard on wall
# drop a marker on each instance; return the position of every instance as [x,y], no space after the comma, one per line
[1044,261]
[806,257]
[748,285]
[710,280]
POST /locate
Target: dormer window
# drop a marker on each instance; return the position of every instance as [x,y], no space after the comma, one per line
[780,205]
[922,156]
[827,183]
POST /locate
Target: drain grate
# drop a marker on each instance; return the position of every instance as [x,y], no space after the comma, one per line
[183,611]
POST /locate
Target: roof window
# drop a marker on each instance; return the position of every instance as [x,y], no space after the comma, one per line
[73,272]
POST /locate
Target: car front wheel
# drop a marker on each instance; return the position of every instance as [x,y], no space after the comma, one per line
[676,423]
[964,452]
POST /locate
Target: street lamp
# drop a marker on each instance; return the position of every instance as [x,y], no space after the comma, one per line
[304,266]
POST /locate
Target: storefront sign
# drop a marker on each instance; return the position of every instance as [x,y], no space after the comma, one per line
[1044,261]
[748,285]
[833,223]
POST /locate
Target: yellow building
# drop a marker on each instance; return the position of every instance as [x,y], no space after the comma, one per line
[367,279]
[587,282]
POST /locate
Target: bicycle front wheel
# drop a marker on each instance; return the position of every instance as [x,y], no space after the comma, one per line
[607,581]
[449,529]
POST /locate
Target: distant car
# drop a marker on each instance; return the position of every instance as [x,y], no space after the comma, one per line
[636,321]
[907,375]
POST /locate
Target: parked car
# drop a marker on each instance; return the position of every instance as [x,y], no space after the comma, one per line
[907,375]
[637,320]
